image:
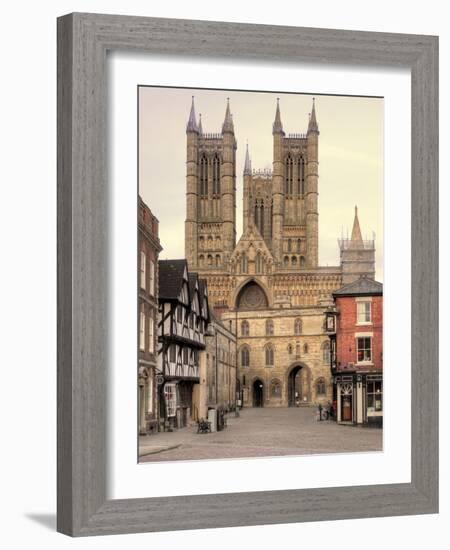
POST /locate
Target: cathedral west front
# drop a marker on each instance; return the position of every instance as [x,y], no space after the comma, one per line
[267,286]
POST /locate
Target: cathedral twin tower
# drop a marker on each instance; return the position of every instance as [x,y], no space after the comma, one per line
[280,206]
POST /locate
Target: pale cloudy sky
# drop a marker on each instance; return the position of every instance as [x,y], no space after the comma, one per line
[350,156]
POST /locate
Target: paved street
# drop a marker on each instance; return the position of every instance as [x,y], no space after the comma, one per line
[261,432]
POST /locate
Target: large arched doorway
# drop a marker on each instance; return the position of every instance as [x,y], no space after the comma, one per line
[299,386]
[258,393]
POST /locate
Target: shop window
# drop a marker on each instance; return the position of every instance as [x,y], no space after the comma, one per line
[374,396]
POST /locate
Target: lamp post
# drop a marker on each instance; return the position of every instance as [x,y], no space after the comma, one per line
[236,406]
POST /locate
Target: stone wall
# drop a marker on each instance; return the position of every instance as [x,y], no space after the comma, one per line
[290,350]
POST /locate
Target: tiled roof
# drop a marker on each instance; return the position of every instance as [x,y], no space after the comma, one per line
[364,286]
[170,278]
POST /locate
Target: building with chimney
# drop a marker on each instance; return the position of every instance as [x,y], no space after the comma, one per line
[268,285]
[149,248]
[357,352]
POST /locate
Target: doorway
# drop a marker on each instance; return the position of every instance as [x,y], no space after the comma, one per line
[293,390]
[346,402]
[258,393]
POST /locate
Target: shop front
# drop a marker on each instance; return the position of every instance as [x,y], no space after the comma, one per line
[359,398]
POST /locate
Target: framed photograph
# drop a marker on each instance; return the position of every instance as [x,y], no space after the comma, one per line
[247,274]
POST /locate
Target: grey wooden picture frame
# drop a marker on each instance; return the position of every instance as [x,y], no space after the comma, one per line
[83,245]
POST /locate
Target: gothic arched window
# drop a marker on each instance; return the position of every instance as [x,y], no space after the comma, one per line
[258,263]
[326,352]
[201,260]
[294,261]
[299,245]
[203,176]
[302,261]
[289,175]
[210,259]
[269,356]
[301,176]
[289,245]
[298,326]
[305,348]
[259,215]
[289,349]
[243,263]
[320,386]
[269,327]
[245,356]
[270,220]
[245,328]
[286,261]
[217,260]
[275,388]
[216,175]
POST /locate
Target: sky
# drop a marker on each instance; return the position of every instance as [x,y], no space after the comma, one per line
[350,157]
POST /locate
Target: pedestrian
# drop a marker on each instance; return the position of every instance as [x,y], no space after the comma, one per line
[331,409]
[320,411]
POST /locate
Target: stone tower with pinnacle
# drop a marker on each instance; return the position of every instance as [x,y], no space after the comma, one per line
[288,219]
[210,227]
[279,247]
[357,255]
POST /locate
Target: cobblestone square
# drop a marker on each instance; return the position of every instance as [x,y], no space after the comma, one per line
[261,432]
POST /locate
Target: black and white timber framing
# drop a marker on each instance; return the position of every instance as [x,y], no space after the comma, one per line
[183,320]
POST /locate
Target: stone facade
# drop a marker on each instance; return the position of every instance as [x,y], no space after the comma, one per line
[356,255]
[285,351]
[221,365]
[272,274]
[148,251]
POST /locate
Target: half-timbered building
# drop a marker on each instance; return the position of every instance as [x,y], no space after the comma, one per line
[183,319]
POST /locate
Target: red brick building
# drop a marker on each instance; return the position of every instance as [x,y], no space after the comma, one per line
[148,250]
[357,352]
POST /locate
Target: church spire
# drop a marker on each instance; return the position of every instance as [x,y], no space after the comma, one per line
[200,128]
[192,122]
[356,237]
[277,125]
[312,126]
[248,164]
[228,122]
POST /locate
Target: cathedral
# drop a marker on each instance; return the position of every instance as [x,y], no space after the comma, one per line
[268,287]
